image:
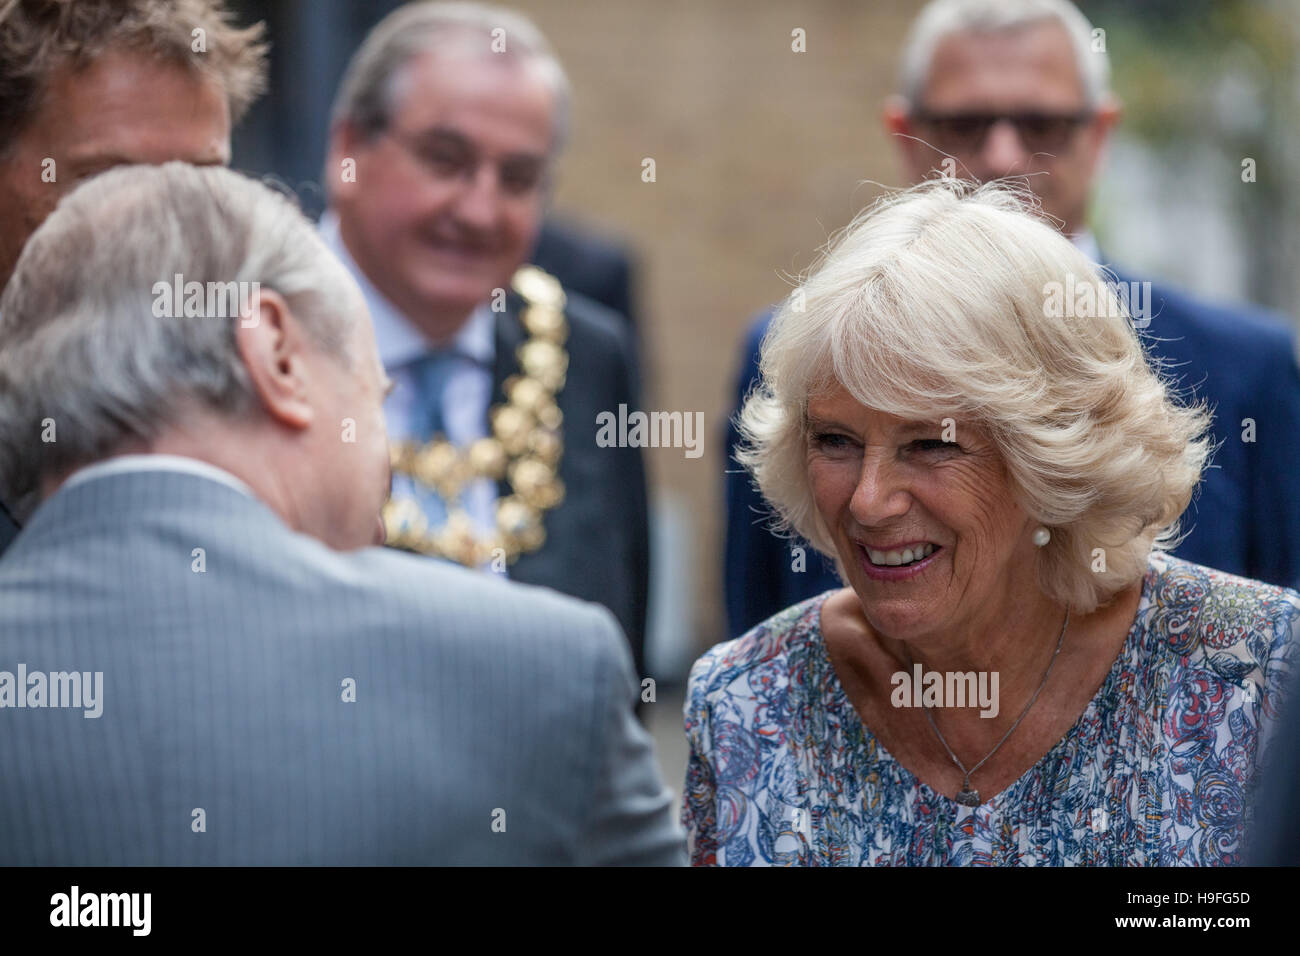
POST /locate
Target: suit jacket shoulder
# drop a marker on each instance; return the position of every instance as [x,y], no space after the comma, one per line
[596,267]
[1234,340]
[597,539]
[322,708]
[599,334]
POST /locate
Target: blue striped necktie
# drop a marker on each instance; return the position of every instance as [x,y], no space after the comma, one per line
[430,375]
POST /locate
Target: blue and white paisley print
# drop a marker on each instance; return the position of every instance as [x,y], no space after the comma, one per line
[1156,771]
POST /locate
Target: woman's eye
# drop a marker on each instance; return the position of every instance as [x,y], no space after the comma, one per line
[830,441]
[935,444]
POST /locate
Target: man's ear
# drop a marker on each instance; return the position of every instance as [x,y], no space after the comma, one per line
[1109,111]
[274,348]
[917,158]
[1106,118]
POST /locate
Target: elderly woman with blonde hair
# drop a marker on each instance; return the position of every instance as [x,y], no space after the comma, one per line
[1017,673]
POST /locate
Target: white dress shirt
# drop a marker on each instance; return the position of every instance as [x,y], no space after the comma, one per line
[1086,243]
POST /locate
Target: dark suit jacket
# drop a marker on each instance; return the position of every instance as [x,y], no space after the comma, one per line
[1274,839]
[598,539]
[594,267]
[1245,518]
[588,264]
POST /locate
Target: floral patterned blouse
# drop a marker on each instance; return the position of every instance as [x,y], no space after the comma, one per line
[1155,771]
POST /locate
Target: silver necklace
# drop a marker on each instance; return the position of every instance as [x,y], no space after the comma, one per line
[969,796]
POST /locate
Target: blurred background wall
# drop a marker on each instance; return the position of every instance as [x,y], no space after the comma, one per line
[762,152]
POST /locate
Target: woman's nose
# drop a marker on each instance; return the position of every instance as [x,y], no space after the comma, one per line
[880,493]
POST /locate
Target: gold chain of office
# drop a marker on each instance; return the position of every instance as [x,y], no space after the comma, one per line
[524,449]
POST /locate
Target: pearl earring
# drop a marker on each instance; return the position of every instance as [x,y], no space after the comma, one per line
[1041,536]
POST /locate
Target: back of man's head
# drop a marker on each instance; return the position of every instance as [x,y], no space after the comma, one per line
[123,314]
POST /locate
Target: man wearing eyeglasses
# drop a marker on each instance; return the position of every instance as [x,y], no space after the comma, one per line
[1018,88]
[1006,89]
[445,133]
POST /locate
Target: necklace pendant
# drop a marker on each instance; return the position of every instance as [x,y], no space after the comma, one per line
[968,797]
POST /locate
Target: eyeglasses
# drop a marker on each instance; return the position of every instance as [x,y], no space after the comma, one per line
[447,155]
[964,133]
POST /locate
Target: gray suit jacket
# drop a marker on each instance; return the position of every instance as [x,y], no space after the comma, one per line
[492,722]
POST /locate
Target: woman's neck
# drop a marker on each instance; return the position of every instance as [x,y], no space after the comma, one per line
[1010,650]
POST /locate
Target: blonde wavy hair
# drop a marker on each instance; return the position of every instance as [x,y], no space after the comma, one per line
[942,301]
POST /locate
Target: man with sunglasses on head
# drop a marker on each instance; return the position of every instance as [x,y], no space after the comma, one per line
[994,89]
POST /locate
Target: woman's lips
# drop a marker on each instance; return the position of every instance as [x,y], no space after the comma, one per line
[895,573]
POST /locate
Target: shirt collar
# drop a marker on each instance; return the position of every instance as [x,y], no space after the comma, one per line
[398,340]
[1086,243]
[122,464]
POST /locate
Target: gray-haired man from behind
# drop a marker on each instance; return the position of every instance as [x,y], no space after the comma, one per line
[201,661]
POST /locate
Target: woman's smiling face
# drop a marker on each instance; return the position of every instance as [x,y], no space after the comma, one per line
[891,490]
